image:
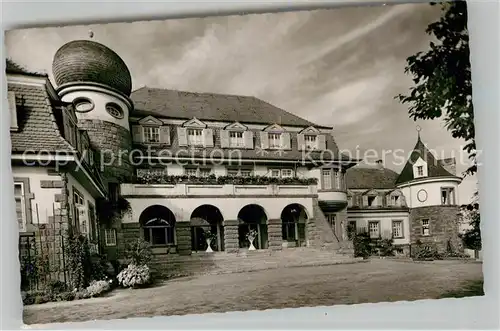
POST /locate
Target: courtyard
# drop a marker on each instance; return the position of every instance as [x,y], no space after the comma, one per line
[373,281]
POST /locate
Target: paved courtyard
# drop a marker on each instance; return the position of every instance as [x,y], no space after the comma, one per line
[374,281]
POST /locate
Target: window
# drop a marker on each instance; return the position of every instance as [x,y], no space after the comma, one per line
[110,237]
[195,137]
[420,171]
[191,171]
[374,229]
[447,196]
[274,140]
[426,227]
[327,179]
[159,231]
[11,95]
[83,105]
[70,132]
[197,172]
[77,201]
[275,173]
[395,200]
[397,229]
[282,173]
[236,139]
[205,172]
[232,172]
[310,141]
[245,173]
[151,134]
[372,201]
[20,206]
[337,177]
[114,110]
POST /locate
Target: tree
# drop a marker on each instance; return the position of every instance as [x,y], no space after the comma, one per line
[442,78]
[443,86]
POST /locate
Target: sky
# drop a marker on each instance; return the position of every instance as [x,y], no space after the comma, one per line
[340,67]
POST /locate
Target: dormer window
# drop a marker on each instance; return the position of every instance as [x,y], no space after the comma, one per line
[419,168]
[420,171]
[195,137]
[371,201]
[274,140]
[310,141]
[395,200]
[151,134]
[236,139]
[13,110]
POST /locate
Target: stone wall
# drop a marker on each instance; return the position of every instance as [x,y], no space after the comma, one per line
[444,226]
[111,139]
[231,242]
[318,230]
[275,234]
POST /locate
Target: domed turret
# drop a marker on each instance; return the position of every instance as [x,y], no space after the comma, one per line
[85,61]
[98,83]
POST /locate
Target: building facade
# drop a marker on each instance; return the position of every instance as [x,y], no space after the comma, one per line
[186,163]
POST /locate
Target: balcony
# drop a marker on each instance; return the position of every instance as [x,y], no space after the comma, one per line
[204,190]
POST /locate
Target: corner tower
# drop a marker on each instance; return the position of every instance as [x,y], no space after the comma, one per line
[430,187]
[98,83]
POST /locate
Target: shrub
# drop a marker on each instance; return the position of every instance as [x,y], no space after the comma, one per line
[385,247]
[139,252]
[134,276]
[65,296]
[426,252]
[99,267]
[96,288]
[362,245]
[56,287]
[82,294]
[78,261]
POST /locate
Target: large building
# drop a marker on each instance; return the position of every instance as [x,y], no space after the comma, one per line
[186,162]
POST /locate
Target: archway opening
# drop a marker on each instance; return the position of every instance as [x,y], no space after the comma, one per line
[252,217]
[207,220]
[293,225]
[158,223]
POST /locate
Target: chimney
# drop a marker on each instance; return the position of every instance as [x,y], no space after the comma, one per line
[380,164]
[449,165]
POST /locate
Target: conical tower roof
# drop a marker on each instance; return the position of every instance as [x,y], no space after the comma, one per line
[434,166]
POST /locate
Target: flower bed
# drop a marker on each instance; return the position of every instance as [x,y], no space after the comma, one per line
[158,178]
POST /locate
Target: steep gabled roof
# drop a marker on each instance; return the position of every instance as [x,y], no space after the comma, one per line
[14,68]
[38,129]
[370,178]
[434,167]
[210,106]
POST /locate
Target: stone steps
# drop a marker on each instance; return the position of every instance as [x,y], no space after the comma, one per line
[245,261]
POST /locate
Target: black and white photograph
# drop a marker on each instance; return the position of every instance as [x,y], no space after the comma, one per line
[244,162]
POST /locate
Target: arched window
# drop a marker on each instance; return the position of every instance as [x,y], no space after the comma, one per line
[158,223]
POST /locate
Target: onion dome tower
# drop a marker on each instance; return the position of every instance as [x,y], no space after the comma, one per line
[430,186]
[98,83]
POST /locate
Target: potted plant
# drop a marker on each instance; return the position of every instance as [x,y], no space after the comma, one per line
[251,235]
[209,237]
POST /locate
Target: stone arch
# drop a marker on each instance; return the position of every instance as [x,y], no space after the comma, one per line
[293,223]
[158,224]
[253,217]
[206,218]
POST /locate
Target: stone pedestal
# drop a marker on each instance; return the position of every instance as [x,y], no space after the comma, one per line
[231,242]
[275,234]
[183,234]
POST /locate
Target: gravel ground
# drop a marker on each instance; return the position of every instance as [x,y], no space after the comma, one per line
[375,281]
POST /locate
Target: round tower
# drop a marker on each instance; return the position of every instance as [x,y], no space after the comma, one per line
[98,83]
[430,186]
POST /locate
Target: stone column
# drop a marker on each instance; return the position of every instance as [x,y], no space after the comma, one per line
[275,234]
[183,236]
[231,242]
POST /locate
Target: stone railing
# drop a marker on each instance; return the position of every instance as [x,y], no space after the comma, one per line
[128,190]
